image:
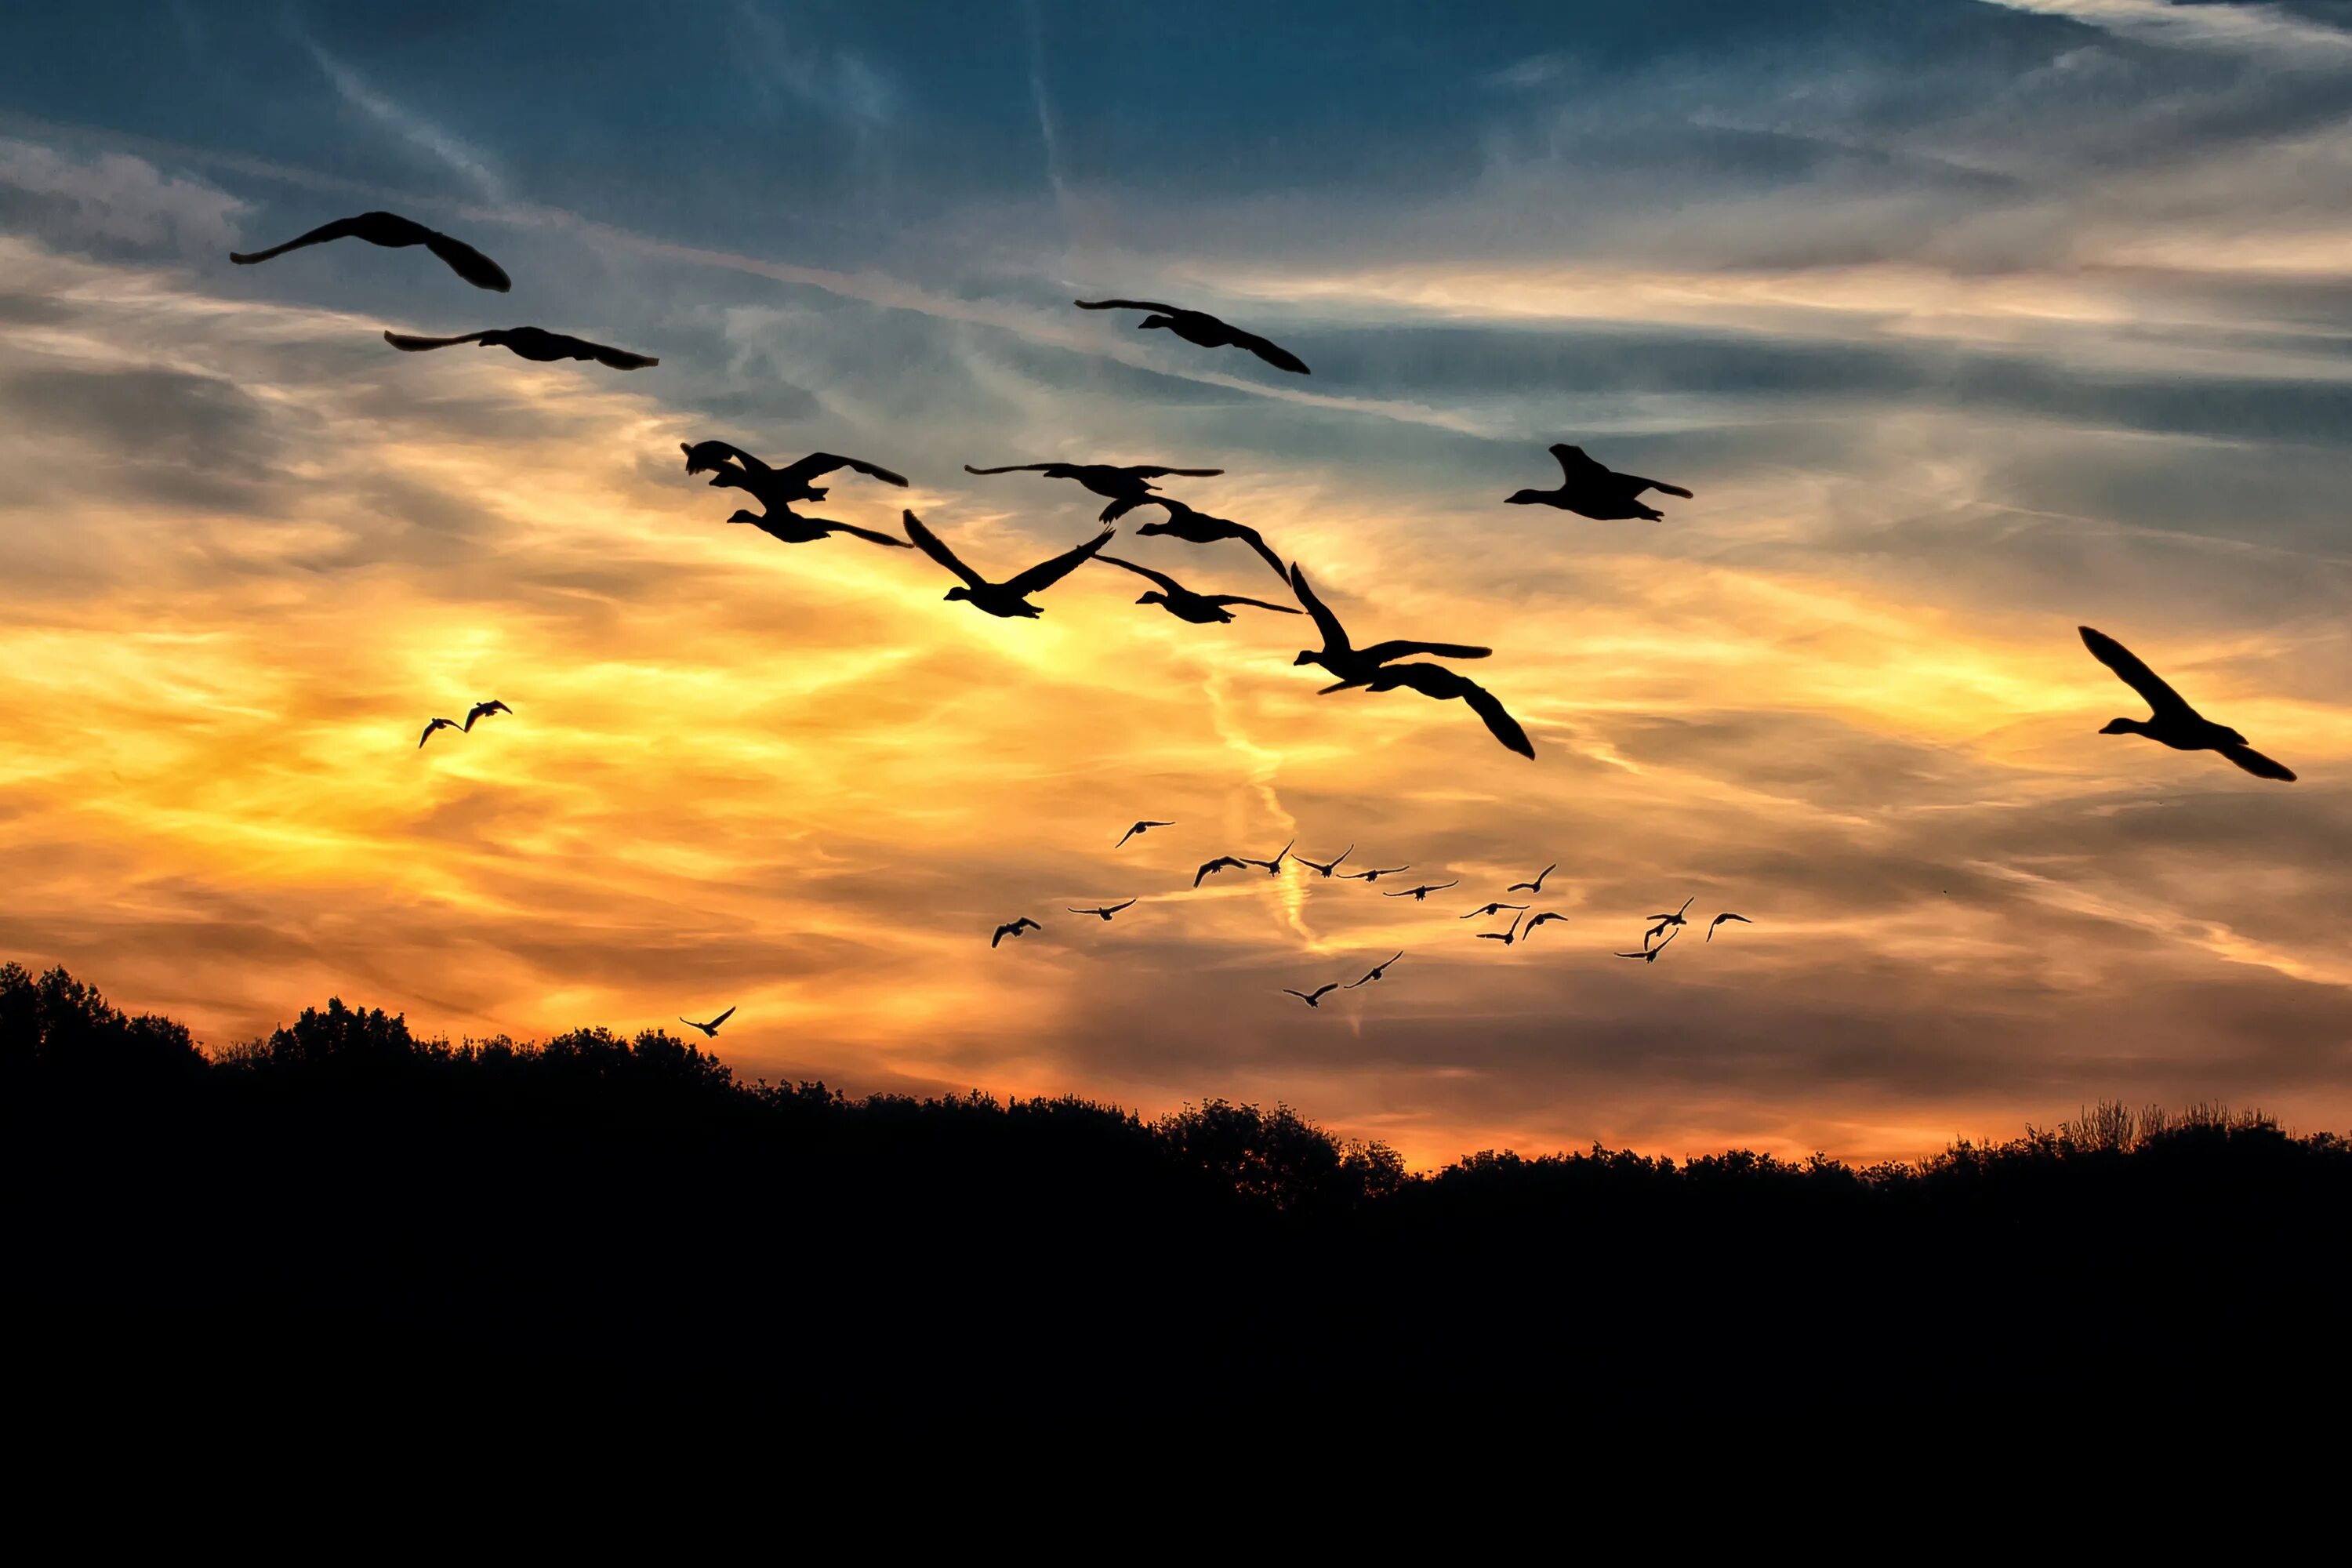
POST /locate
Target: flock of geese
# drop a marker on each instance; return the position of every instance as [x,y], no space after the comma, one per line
[1587,488]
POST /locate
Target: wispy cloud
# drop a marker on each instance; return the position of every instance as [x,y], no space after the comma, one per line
[459,157]
[838,82]
[2267,30]
[114,196]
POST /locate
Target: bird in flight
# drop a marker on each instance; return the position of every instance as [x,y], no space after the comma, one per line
[776,489]
[2173,722]
[1273,867]
[1202,328]
[1494,907]
[1535,886]
[1352,664]
[528,342]
[710,1030]
[1009,598]
[1666,921]
[1199,528]
[483,711]
[1420,895]
[1718,919]
[1140,827]
[395,232]
[1436,681]
[1014,929]
[1504,937]
[1547,915]
[1105,910]
[1127,487]
[1326,868]
[1590,489]
[1377,970]
[788,526]
[1212,868]
[1651,954]
[438,725]
[1373,874]
[1200,609]
[1316,998]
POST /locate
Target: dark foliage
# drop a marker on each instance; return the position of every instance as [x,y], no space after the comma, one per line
[343,1209]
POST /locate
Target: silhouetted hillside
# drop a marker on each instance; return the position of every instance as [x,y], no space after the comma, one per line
[341,1205]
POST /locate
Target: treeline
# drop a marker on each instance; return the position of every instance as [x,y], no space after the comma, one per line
[419,1214]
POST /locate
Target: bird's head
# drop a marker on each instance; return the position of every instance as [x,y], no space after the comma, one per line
[2122,727]
[1153,597]
[1306,656]
[1523,498]
[958,591]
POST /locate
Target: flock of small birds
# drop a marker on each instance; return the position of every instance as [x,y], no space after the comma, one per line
[1587,488]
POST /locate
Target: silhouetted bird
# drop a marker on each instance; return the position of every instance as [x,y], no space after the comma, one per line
[395,232]
[1650,953]
[439,724]
[1589,490]
[776,489]
[1377,970]
[528,342]
[1421,894]
[1494,907]
[1547,915]
[1273,867]
[1200,609]
[1718,919]
[2174,722]
[1140,827]
[1124,485]
[1436,681]
[1199,528]
[1317,999]
[711,1028]
[1666,921]
[1014,930]
[1321,866]
[790,527]
[1373,874]
[1210,868]
[1535,886]
[1355,665]
[1008,599]
[1504,937]
[1202,328]
[483,711]
[1106,911]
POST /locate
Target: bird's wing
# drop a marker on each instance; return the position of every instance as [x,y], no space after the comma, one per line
[469,264]
[704,455]
[1227,600]
[1302,995]
[1026,920]
[999,936]
[931,544]
[1329,986]
[1574,465]
[817,463]
[616,359]
[1383,652]
[1273,354]
[1438,886]
[1660,485]
[429,728]
[2254,763]
[1161,578]
[871,536]
[1116,908]
[1128,305]
[408,343]
[1015,468]
[1045,574]
[1499,723]
[343,227]
[722,1018]
[2135,674]
[1154,471]
[1335,635]
[1128,834]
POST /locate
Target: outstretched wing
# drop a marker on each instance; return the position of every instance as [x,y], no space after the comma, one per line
[341,228]
[2135,674]
[1154,471]
[1663,488]
[408,343]
[999,936]
[1128,305]
[1335,635]
[1302,995]
[1017,469]
[1045,574]
[817,463]
[722,1018]
[1159,577]
[704,455]
[1273,354]
[1226,601]
[2254,763]
[931,544]
[1383,652]
[616,359]
[1116,908]
[870,535]
[468,263]
[1575,466]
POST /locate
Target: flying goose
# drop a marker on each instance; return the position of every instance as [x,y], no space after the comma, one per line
[1651,954]
[1420,895]
[1373,874]
[1718,919]
[2173,722]
[1666,921]
[528,342]
[1321,866]
[1436,681]
[1009,599]
[438,725]
[1273,867]
[395,232]
[1494,907]
[1535,886]
[1590,489]
[1105,910]
[1377,970]
[1504,937]
[1355,665]
[1314,1000]
[1140,827]
[1014,930]
[1125,486]
[1212,868]
[1202,328]
[1200,609]
[776,489]
[790,527]
[1547,915]
[1199,528]
[483,711]
[711,1028]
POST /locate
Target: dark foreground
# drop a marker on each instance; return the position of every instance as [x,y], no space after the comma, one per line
[342,1216]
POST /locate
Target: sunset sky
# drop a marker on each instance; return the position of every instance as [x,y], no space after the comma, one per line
[1965,322]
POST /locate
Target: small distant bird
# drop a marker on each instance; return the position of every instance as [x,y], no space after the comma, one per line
[1321,866]
[1547,915]
[1352,664]
[1651,954]
[1664,921]
[483,711]
[788,527]
[1199,528]
[1314,1000]
[1202,328]
[1535,886]
[1590,489]
[776,489]
[1273,867]
[395,232]
[1200,609]
[1496,908]
[1420,895]
[1140,827]
[438,725]
[1504,937]
[1105,910]
[1436,681]
[1718,919]
[1014,930]
[1125,486]
[2174,723]
[530,343]
[1377,970]
[1008,600]
[711,1028]
[1210,869]
[1373,874]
